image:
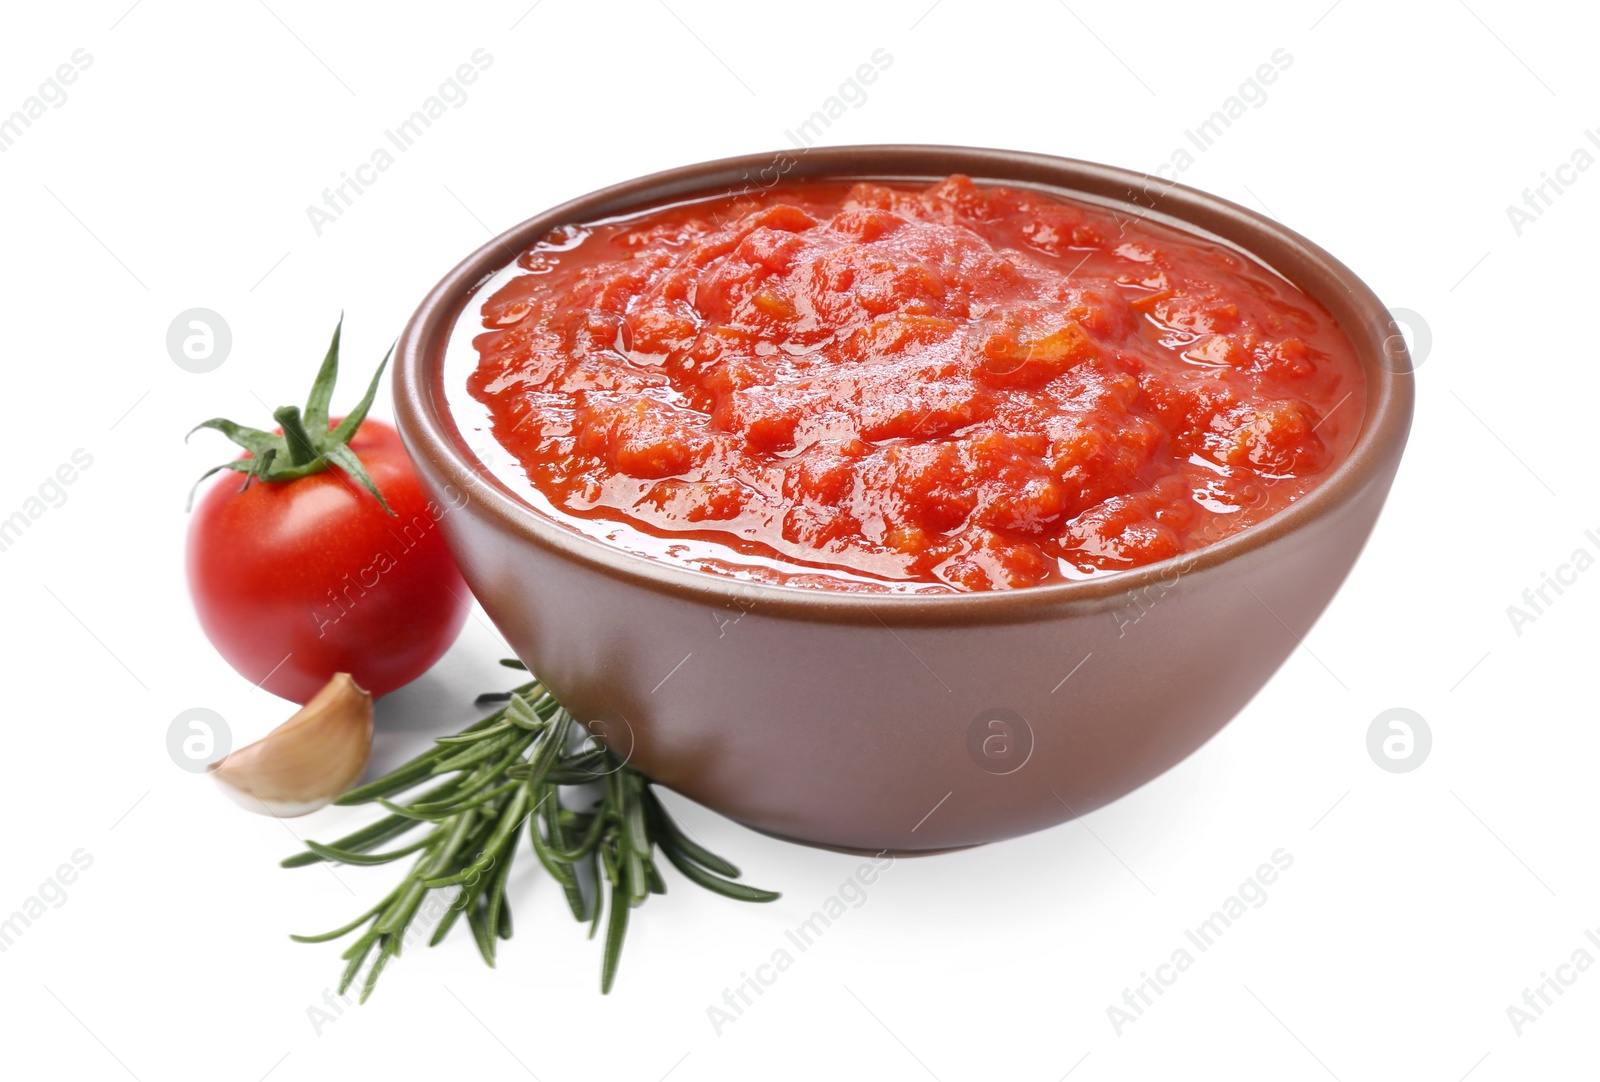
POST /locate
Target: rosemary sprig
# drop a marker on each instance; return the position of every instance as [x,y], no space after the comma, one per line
[496,775]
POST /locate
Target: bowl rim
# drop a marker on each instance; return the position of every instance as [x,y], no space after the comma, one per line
[429,430]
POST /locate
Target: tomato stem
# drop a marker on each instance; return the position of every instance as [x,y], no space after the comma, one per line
[301,450]
[307,444]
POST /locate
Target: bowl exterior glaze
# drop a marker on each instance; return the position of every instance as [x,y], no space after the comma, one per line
[894,722]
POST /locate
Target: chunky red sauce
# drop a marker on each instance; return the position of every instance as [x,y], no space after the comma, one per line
[875,386]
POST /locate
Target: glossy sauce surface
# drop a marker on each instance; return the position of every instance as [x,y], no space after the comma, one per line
[878,387]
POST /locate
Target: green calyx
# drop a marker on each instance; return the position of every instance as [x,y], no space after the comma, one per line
[307,445]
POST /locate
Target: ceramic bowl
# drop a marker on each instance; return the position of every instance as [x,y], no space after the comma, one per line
[897,722]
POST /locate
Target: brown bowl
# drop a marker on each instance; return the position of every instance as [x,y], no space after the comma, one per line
[899,722]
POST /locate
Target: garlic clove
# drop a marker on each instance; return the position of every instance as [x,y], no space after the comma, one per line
[306,762]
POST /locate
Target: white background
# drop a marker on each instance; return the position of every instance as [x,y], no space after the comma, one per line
[1419,906]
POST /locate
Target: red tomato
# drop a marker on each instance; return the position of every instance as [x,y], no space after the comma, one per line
[297,580]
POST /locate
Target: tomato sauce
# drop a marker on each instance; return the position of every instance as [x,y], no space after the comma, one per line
[879,386]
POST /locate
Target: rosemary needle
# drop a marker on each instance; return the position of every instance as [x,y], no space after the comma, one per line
[498,774]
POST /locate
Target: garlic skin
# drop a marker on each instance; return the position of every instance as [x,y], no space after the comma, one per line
[306,762]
